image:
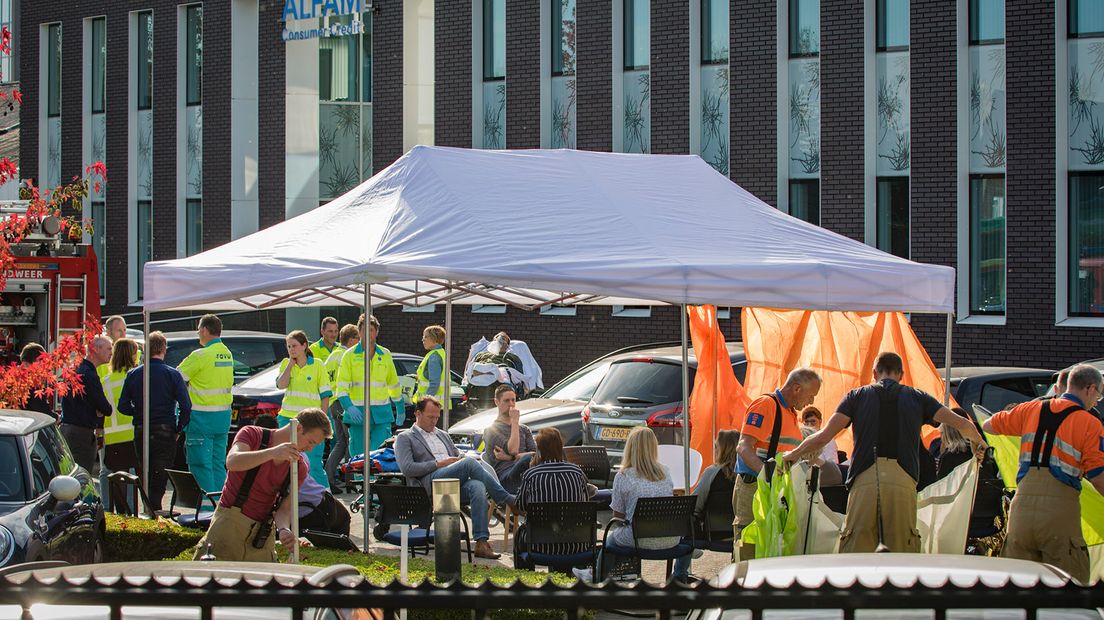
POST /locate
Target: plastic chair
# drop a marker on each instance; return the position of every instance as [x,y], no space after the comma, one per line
[557,523]
[713,527]
[409,505]
[675,460]
[118,485]
[187,494]
[656,517]
[593,460]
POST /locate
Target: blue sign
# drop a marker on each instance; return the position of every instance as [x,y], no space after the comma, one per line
[323,32]
[312,9]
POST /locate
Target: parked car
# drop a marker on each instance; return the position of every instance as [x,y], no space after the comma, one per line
[995,387]
[252,351]
[644,388]
[258,394]
[878,569]
[49,508]
[257,573]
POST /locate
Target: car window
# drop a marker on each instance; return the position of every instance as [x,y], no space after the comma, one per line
[996,395]
[404,366]
[11,471]
[45,462]
[579,386]
[1042,385]
[640,383]
[252,355]
[179,349]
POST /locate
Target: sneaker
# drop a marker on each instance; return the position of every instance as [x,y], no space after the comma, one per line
[697,553]
[583,574]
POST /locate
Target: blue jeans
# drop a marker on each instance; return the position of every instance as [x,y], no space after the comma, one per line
[511,478]
[207,459]
[476,484]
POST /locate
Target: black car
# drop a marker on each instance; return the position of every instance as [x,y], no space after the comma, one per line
[644,389]
[49,508]
[252,351]
[996,387]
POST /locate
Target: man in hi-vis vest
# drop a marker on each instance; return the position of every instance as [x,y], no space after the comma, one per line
[209,373]
[384,394]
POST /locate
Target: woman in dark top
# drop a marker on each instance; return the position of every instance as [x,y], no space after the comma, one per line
[30,353]
[552,479]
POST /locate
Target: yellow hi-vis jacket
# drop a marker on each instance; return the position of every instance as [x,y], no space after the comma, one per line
[423,380]
[320,352]
[209,373]
[307,387]
[331,365]
[118,428]
[385,380]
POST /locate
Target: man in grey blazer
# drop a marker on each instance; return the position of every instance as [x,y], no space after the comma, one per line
[425,453]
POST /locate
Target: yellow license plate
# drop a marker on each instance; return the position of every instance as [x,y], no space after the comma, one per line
[615,433]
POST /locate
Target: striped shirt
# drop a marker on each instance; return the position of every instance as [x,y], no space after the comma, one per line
[553,481]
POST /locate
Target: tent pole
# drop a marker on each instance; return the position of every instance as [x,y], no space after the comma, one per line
[685,404]
[145,411]
[947,368]
[447,371]
[368,355]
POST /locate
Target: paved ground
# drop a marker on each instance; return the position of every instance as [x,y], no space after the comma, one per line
[706,567]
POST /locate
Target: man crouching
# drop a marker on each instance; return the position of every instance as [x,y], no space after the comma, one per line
[254,503]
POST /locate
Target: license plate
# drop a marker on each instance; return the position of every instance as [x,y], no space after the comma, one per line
[614,433]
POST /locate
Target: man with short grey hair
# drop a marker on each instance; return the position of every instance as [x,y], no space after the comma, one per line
[82,414]
[115,327]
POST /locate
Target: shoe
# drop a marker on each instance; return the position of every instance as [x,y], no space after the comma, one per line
[484,550]
[583,574]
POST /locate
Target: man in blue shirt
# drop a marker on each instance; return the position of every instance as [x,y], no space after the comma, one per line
[83,414]
[167,392]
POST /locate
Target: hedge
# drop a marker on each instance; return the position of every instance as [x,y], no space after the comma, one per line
[130,540]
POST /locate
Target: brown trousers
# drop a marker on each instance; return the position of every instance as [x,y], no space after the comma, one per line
[231,538]
[743,493]
[1044,525]
[898,498]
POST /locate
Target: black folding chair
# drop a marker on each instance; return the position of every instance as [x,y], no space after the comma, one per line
[713,526]
[188,495]
[593,460]
[655,517]
[557,523]
[119,484]
[409,505]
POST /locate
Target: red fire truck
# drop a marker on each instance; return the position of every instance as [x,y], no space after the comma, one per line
[51,291]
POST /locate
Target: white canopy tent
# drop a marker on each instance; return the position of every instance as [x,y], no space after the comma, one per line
[531,228]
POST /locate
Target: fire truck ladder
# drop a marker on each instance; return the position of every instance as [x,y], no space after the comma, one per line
[70,299]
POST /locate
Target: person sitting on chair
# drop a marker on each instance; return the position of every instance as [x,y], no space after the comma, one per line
[550,478]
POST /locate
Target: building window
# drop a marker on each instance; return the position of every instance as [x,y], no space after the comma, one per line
[144,250]
[987,238]
[194,233]
[193,43]
[637,79]
[488,308]
[558,310]
[98,55]
[987,141]
[803,132]
[145,60]
[1085,18]
[563,74]
[714,84]
[99,242]
[1086,247]
[494,74]
[893,215]
[345,108]
[53,68]
[805,200]
[9,63]
[632,312]
[893,156]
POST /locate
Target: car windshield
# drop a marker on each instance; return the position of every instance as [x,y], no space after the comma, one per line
[251,355]
[639,382]
[266,379]
[579,386]
[11,471]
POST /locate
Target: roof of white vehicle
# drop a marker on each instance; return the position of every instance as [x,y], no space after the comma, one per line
[876,569]
[18,422]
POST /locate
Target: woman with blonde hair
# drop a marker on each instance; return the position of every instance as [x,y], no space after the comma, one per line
[118,454]
[641,475]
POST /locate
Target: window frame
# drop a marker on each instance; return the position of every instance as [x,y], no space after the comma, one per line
[141,204]
[193,227]
[907,180]
[1071,13]
[1071,246]
[974,309]
[790,196]
[54,68]
[628,36]
[793,32]
[145,19]
[972,10]
[98,28]
[489,41]
[880,29]
[193,72]
[705,56]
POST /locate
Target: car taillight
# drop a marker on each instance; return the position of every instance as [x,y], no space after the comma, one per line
[586,414]
[666,418]
[258,409]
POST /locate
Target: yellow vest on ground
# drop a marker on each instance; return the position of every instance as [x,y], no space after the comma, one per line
[320,352]
[209,373]
[423,380]
[307,386]
[118,428]
[385,380]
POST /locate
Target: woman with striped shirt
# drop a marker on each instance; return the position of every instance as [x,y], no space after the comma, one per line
[552,479]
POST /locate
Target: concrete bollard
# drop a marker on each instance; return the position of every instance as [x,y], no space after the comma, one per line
[446,529]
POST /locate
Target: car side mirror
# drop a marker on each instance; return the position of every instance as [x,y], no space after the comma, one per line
[536,392]
[65,488]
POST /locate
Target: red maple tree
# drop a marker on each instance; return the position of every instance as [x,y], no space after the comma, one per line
[53,373]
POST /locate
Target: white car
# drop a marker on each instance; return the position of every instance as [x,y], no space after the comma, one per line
[256,573]
[899,569]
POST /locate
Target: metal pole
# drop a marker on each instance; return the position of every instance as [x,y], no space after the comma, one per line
[448,360]
[685,403]
[947,370]
[367,511]
[145,410]
[294,498]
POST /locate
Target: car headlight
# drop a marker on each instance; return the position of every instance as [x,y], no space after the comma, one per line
[7,545]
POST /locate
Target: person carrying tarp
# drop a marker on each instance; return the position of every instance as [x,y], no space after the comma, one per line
[885,464]
[771,422]
[1060,443]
